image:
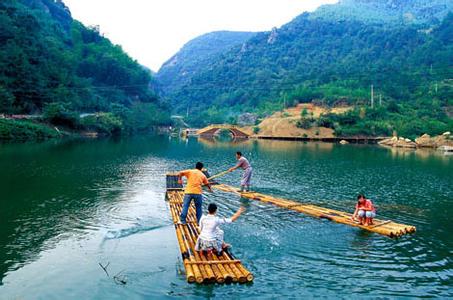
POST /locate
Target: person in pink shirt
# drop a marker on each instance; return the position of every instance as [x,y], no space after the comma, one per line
[364,211]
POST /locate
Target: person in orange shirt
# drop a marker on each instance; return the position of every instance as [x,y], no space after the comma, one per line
[364,210]
[195,180]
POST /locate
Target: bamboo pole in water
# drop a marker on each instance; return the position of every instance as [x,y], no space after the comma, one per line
[219,277]
[209,268]
[391,229]
[190,272]
[206,270]
[231,268]
[231,272]
[183,241]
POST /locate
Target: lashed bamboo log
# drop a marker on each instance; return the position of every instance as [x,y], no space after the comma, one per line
[387,228]
[201,268]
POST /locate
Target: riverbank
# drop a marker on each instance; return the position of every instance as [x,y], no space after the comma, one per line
[27,130]
[442,142]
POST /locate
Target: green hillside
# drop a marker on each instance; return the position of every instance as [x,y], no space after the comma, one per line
[332,61]
[195,55]
[52,64]
[396,12]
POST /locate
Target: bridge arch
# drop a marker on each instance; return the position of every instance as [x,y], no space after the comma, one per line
[212,130]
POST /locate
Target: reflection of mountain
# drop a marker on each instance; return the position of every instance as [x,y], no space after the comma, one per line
[50,192]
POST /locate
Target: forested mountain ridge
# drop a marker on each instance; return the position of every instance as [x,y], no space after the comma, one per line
[50,61]
[329,60]
[413,12]
[180,68]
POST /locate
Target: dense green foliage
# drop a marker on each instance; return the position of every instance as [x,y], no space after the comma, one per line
[191,59]
[406,120]
[329,61]
[48,58]
[25,130]
[388,11]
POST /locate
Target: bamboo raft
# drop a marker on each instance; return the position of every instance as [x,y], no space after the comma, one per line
[384,227]
[200,268]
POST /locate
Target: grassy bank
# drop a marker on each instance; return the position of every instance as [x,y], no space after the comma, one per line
[24,130]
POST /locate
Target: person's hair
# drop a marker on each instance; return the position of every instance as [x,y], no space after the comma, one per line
[212,208]
[199,165]
[360,196]
[239,153]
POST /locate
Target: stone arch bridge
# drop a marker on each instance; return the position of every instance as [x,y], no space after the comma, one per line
[212,130]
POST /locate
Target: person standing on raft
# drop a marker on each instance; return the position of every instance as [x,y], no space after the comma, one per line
[364,210]
[247,176]
[195,180]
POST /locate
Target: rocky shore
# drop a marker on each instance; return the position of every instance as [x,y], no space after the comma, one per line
[442,142]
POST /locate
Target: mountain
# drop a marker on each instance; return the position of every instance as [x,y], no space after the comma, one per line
[193,56]
[317,57]
[49,60]
[421,12]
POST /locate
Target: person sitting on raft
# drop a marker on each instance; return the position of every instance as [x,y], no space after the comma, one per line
[211,236]
[364,210]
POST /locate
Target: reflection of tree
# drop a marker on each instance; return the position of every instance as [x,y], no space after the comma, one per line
[280,145]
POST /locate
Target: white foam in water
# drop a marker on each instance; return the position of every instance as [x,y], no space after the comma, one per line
[136,229]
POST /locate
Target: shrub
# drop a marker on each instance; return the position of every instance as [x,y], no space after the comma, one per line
[305,123]
[25,130]
[58,114]
[106,123]
[256,129]
[304,113]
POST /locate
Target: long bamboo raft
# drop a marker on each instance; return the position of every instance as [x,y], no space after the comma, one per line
[384,227]
[200,268]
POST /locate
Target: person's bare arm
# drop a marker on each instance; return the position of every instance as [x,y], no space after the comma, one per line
[354,215]
[209,187]
[238,213]
[180,175]
[233,168]
[206,183]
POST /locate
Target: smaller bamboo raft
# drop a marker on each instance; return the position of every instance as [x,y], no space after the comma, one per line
[200,268]
[384,227]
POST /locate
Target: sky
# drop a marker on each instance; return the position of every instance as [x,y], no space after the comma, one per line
[152,31]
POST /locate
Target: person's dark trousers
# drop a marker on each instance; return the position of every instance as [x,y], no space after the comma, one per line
[186,204]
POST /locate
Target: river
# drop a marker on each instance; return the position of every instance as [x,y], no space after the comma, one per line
[67,207]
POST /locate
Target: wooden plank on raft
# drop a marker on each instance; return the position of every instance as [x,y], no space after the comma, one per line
[200,268]
[388,228]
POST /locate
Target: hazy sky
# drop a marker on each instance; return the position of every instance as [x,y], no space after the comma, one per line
[151,31]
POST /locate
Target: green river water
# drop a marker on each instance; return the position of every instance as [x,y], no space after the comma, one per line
[68,206]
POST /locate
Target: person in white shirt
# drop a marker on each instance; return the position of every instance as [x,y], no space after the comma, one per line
[211,236]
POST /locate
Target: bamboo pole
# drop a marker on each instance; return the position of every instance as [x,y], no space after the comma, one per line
[209,274]
[392,229]
[230,273]
[186,249]
[219,175]
[190,272]
[219,277]
[206,271]
[237,274]
[223,268]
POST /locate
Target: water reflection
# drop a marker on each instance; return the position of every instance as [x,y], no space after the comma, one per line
[68,206]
